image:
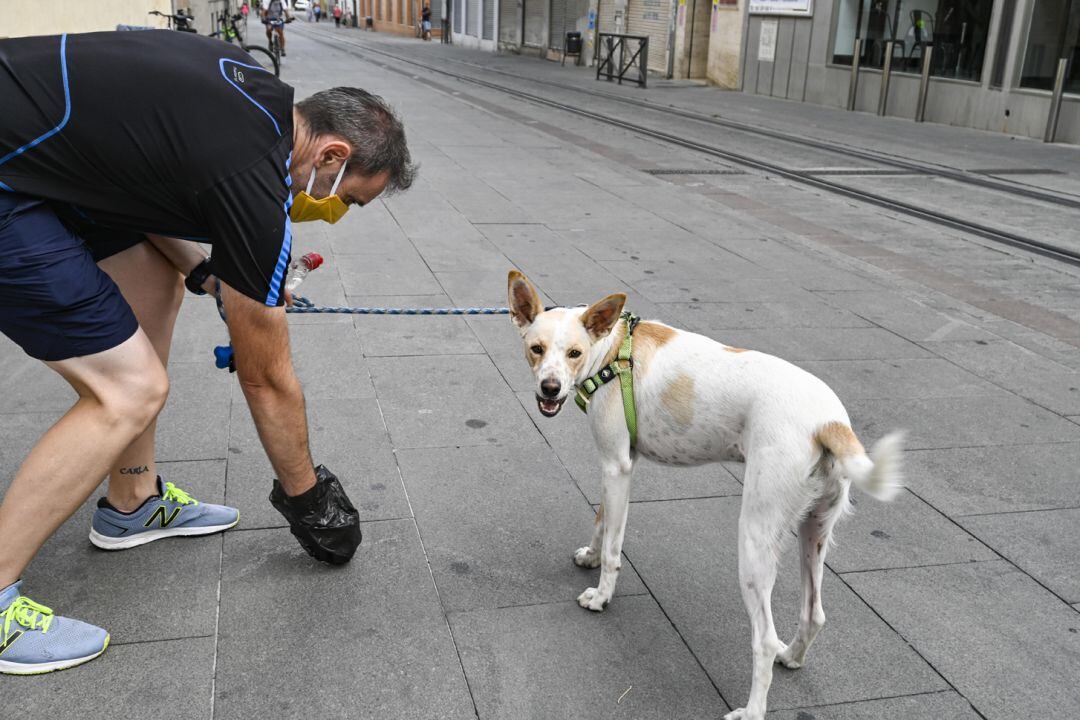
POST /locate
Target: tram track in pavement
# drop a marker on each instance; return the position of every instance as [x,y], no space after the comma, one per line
[943,219]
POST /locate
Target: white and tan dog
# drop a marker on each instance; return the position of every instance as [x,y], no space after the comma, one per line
[698,402]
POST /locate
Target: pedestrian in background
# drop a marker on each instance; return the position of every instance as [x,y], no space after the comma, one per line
[337,15]
[425,16]
[244,10]
[317,10]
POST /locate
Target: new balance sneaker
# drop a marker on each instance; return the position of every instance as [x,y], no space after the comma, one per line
[35,641]
[170,513]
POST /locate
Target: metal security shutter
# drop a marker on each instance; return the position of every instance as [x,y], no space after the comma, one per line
[652,18]
[471,16]
[534,22]
[508,22]
[456,8]
[557,24]
[489,19]
[565,17]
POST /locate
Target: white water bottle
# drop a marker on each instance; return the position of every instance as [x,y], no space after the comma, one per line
[299,269]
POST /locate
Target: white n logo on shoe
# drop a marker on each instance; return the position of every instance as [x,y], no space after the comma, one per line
[162,519]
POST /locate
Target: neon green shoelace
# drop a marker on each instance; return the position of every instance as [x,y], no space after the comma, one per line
[27,613]
[175,494]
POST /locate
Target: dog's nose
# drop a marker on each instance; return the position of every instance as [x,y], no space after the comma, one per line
[550,388]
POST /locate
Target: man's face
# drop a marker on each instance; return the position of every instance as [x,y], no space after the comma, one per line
[355,187]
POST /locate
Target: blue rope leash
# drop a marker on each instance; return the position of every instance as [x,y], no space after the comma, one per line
[304,306]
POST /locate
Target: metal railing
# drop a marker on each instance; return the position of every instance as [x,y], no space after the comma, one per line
[612,61]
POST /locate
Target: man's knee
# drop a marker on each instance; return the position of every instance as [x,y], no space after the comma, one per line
[137,397]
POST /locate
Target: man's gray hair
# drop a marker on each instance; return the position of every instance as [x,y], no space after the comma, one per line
[368,124]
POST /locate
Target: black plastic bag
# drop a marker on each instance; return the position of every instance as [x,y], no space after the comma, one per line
[322,519]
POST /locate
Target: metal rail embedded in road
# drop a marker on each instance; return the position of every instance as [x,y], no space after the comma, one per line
[944,219]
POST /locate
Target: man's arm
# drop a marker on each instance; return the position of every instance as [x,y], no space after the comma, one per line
[260,338]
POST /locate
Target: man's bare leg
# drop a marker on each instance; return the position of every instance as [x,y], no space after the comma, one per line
[120,391]
[154,289]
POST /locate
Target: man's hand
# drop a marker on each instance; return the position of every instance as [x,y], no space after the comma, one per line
[260,337]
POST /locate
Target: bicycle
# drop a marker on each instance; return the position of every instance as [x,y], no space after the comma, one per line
[229,30]
[179,21]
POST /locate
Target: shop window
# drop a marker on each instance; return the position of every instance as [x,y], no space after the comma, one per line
[1054,34]
[957,28]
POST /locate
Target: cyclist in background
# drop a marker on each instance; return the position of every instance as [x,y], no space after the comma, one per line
[274,15]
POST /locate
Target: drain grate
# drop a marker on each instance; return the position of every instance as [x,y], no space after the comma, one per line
[691,171]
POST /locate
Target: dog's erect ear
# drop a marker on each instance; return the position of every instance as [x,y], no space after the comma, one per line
[602,316]
[524,303]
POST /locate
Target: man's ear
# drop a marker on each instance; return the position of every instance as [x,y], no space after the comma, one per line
[334,150]
[602,316]
[524,302]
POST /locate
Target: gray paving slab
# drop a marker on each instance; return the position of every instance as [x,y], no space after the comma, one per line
[448,401]
[803,314]
[363,640]
[386,336]
[571,438]
[797,344]
[1043,544]
[198,330]
[922,378]
[28,385]
[329,360]
[134,594]
[904,533]
[348,436]
[686,552]
[398,273]
[168,680]
[501,525]
[965,481]
[195,422]
[502,342]
[1001,640]
[21,432]
[962,422]
[1025,373]
[477,288]
[372,229]
[906,317]
[528,663]
[928,706]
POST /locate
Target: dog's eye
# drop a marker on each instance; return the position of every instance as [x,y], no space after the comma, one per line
[537,349]
[574,354]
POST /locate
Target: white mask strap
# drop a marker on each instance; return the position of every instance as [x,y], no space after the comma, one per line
[311,180]
[337,180]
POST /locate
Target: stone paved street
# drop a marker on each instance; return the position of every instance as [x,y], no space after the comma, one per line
[960,600]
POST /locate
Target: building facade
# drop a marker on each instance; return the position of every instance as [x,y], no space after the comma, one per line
[992,63]
[400,16]
[17,19]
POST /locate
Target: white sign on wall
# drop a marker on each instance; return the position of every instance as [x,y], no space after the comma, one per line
[803,8]
[766,49]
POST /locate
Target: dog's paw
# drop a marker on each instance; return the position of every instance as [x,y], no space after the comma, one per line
[586,557]
[742,714]
[591,599]
[788,659]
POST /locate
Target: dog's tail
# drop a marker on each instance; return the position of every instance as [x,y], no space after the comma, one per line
[877,474]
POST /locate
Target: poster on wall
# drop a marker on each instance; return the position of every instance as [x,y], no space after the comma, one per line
[767,41]
[801,8]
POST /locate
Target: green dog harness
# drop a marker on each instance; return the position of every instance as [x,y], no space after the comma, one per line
[622,368]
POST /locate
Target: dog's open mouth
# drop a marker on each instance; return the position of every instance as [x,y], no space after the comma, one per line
[549,408]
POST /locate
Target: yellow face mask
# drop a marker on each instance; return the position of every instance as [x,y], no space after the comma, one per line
[329,209]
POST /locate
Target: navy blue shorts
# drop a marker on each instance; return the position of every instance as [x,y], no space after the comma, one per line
[54,300]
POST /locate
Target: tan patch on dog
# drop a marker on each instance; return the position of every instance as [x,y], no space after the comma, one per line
[839,439]
[599,515]
[678,398]
[648,338]
[730,349]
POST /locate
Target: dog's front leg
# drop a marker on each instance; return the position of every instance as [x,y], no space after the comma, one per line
[589,556]
[616,501]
